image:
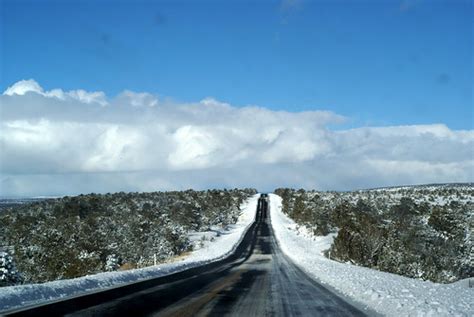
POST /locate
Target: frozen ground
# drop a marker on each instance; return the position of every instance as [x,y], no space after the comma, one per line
[223,243]
[386,293]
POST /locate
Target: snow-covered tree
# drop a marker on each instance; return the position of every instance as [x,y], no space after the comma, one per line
[91,233]
[421,231]
[8,272]
[112,262]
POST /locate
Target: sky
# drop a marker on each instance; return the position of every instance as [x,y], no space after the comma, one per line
[102,96]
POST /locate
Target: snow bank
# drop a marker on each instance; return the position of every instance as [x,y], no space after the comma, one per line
[223,243]
[386,293]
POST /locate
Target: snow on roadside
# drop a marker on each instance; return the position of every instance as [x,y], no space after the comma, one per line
[223,244]
[386,293]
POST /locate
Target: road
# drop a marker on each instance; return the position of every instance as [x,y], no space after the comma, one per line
[258,280]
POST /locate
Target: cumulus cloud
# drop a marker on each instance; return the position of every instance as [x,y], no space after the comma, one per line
[31,86]
[57,142]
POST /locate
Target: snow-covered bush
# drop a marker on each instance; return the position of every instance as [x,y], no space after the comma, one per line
[75,236]
[112,263]
[420,231]
[8,272]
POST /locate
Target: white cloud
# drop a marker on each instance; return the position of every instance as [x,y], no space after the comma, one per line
[31,86]
[86,97]
[22,87]
[135,99]
[55,142]
[194,148]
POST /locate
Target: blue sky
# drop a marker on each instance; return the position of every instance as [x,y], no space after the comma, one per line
[104,96]
[376,62]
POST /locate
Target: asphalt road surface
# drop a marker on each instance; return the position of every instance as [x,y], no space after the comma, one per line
[258,280]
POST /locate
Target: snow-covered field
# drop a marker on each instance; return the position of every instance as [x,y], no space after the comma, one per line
[386,293]
[223,243]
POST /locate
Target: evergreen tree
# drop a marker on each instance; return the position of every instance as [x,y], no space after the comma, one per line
[8,272]
[112,262]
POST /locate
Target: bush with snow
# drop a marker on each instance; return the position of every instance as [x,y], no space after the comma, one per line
[8,272]
[76,236]
[112,263]
[420,232]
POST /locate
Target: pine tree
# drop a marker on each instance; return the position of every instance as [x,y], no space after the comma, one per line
[112,263]
[8,272]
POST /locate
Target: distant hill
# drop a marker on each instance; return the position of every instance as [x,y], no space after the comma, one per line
[434,185]
[12,202]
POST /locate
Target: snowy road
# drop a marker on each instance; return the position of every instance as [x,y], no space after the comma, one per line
[258,280]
